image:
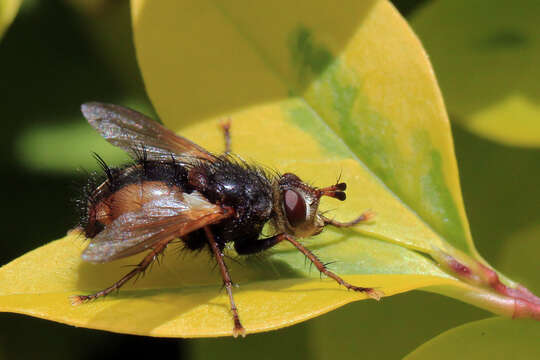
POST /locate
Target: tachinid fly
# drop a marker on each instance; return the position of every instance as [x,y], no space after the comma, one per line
[177,190]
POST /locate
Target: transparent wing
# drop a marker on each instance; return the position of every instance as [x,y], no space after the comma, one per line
[169,217]
[133,131]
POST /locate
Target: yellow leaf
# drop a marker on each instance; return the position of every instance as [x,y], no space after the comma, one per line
[321,94]
[317,90]
[179,297]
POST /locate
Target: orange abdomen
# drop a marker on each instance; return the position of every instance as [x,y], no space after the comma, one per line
[129,198]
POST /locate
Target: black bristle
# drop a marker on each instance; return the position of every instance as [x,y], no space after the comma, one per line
[106,169]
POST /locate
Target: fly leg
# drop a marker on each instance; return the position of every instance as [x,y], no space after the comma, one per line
[226,126]
[139,269]
[372,293]
[366,216]
[254,246]
[238,328]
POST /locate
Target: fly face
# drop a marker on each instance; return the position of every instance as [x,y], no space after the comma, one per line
[297,207]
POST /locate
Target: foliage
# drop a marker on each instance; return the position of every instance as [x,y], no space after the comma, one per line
[313,78]
[487,60]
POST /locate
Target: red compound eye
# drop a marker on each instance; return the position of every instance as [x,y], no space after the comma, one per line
[295,207]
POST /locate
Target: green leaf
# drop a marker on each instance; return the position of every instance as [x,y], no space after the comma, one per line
[486,55]
[8,10]
[488,339]
[309,97]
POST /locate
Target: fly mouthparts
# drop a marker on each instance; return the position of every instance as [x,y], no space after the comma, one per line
[336,191]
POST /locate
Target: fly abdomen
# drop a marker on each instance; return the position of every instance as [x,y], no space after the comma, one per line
[129,198]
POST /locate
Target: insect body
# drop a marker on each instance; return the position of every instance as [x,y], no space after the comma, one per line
[178,190]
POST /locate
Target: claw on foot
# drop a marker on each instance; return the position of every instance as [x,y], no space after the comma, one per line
[78,299]
[372,293]
[368,215]
[239,330]
[225,124]
[375,294]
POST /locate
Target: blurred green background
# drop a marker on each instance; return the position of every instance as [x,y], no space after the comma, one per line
[59,54]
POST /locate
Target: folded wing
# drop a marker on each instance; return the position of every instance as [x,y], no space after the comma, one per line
[164,219]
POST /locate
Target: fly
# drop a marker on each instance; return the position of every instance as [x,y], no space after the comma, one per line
[175,189]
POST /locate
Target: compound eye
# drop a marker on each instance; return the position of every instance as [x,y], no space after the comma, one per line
[295,207]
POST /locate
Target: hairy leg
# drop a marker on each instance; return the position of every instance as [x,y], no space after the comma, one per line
[226,126]
[140,268]
[238,328]
[366,216]
[372,293]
